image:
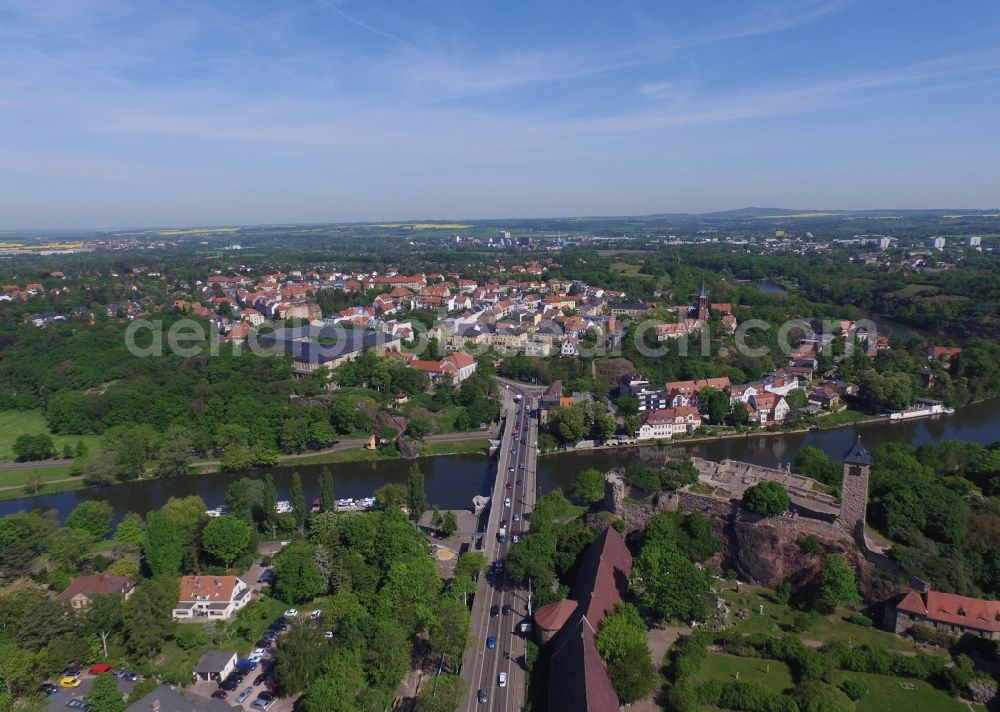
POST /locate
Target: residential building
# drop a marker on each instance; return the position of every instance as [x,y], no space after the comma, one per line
[82,589]
[766,408]
[947,612]
[459,365]
[665,423]
[213,597]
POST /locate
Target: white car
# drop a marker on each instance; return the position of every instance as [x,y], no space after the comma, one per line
[328,635]
[316,614]
[292,613]
[502,679]
[506,502]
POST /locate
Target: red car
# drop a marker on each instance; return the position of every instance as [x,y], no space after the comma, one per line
[100,669]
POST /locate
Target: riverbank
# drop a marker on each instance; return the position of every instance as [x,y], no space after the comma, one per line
[53,479]
[848,419]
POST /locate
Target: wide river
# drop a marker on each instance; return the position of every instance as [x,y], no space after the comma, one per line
[452,481]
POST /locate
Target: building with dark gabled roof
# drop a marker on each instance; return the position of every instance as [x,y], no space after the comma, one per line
[578,677]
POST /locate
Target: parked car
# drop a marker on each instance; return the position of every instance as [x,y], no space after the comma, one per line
[502,679]
[316,614]
[264,643]
[260,679]
[220,694]
[266,696]
[48,688]
[328,635]
[100,669]
[78,705]
[70,681]
[246,665]
[130,676]
[247,691]
[262,705]
[491,642]
[278,627]
[291,613]
[229,684]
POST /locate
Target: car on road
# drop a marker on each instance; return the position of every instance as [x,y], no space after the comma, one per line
[522,467]
[247,691]
[510,469]
[48,688]
[517,517]
[291,613]
[491,642]
[516,538]
[510,484]
[506,502]
[519,482]
[220,694]
[494,611]
[502,679]
[504,523]
[483,697]
[70,681]
[507,609]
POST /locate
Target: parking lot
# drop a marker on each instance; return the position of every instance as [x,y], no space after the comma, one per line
[249,684]
[59,701]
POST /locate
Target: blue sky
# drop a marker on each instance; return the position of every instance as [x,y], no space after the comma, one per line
[125,113]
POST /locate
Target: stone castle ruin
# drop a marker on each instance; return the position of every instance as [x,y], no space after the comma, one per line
[721,486]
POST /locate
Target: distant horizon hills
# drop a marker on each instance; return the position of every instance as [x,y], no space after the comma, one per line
[457,224]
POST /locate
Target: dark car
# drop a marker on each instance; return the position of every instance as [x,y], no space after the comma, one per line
[507,610]
[220,694]
[267,696]
[519,482]
[48,688]
[482,697]
[260,678]
[264,643]
[229,684]
[270,635]
[494,611]
[279,626]
[491,642]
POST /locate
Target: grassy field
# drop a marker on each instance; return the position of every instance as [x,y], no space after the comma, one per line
[886,695]
[777,617]
[14,423]
[772,674]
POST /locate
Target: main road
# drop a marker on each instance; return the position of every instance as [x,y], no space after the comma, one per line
[500,605]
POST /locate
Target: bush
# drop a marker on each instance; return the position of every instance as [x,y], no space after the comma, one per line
[854,688]
[801,622]
[190,637]
[820,697]
[859,619]
[683,697]
[768,499]
[810,545]
[931,636]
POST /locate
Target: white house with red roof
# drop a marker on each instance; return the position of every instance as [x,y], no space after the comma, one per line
[667,422]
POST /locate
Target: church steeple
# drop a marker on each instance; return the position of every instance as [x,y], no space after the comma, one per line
[703,302]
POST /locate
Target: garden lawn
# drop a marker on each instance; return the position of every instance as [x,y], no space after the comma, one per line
[14,423]
[777,617]
[772,674]
[886,695]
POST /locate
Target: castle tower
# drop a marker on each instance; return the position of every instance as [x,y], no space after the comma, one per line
[703,302]
[854,492]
